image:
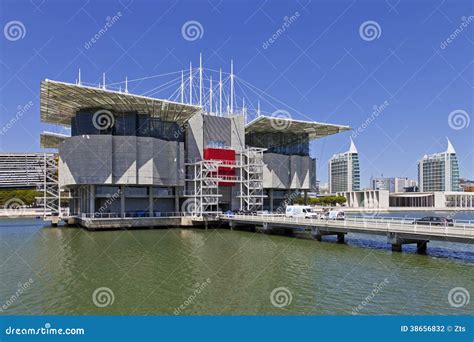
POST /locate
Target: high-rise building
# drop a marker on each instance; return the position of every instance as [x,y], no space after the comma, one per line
[439,171]
[392,184]
[344,173]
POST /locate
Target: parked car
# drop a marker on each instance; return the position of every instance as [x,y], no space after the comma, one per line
[434,221]
[300,211]
[334,215]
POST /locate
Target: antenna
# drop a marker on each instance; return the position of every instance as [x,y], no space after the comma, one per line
[182,86]
[103,80]
[210,95]
[220,92]
[190,83]
[200,79]
[126,84]
[231,86]
[79,77]
[258,108]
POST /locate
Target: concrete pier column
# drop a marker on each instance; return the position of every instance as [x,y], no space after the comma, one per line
[305,194]
[92,199]
[396,247]
[270,195]
[150,201]
[340,238]
[421,247]
[122,200]
[176,199]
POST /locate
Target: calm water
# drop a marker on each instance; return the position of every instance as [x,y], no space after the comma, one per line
[155,272]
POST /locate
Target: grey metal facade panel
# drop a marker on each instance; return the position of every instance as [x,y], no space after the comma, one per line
[124,160]
[279,167]
[86,160]
[194,138]
[237,132]
[145,160]
[106,159]
[216,128]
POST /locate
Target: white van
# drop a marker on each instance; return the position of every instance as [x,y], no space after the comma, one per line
[335,215]
[300,211]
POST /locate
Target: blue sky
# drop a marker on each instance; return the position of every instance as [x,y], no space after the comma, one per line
[321,66]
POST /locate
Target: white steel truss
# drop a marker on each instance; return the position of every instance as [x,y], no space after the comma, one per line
[50,187]
[205,184]
[251,179]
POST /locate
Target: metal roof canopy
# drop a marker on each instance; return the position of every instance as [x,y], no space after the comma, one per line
[60,101]
[51,140]
[314,129]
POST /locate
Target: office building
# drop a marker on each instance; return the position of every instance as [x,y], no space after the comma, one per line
[344,172]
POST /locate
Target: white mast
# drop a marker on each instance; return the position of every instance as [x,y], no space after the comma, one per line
[231,86]
[126,84]
[79,77]
[200,80]
[190,83]
[182,86]
[210,95]
[220,92]
[103,80]
[258,108]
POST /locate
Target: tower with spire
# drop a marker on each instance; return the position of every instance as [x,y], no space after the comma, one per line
[439,171]
[344,171]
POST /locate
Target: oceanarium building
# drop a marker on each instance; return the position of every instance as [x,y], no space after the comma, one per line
[130,155]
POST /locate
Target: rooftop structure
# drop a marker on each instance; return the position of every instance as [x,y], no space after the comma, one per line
[392,184]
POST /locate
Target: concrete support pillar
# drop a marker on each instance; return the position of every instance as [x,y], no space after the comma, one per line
[421,247]
[340,238]
[396,247]
[176,199]
[305,194]
[270,194]
[150,201]
[122,200]
[92,198]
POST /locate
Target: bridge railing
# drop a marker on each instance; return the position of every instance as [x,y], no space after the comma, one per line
[460,227]
[134,215]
